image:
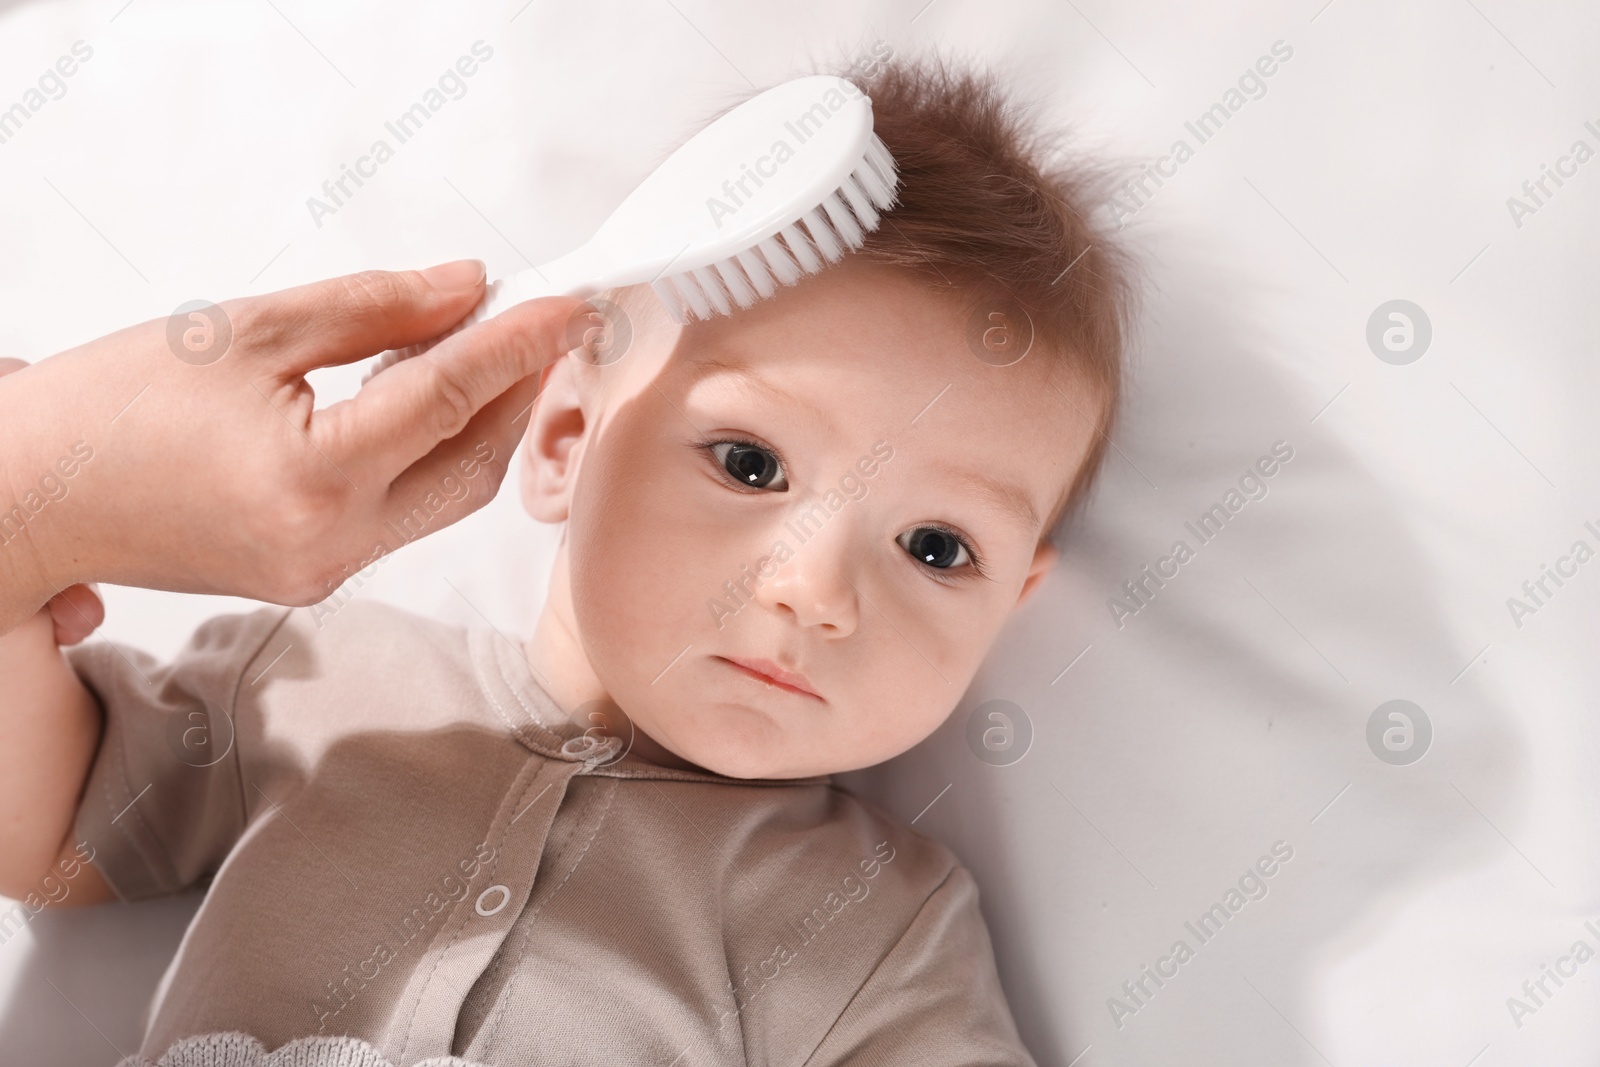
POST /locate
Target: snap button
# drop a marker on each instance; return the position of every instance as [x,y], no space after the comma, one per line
[505,898]
[588,747]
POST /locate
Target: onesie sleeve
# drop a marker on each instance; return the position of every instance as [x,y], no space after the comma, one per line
[935,999]
[163,802]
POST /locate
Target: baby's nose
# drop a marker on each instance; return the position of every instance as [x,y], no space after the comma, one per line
[813,584]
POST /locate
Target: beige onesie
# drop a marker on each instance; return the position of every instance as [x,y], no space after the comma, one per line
[414,857]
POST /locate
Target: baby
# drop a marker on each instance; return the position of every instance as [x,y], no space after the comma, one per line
[791,536]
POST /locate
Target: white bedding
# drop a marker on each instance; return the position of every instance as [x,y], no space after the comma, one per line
[1173,747]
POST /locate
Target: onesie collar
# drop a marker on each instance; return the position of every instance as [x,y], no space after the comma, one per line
[534,718]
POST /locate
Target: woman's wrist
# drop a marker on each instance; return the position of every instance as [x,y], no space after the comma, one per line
[21,594]
[24,582]
[29,490]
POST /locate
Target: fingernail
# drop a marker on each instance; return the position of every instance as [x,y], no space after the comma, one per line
[451,277]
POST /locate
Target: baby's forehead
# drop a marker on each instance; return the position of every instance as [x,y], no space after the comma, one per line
[867,342]
[840,371]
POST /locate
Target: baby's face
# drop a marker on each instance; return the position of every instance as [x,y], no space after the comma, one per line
[829,486]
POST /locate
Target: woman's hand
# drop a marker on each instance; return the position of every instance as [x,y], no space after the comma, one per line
[185,454]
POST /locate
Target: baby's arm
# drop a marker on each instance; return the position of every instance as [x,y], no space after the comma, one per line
[49,730]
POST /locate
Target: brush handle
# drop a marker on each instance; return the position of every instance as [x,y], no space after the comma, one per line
[567,276]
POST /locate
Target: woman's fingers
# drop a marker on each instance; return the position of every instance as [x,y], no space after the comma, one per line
[77,612]
[464,473]
[406,412]
[341,320]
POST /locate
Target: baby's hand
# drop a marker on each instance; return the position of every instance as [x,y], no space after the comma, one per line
[67,619]
[75,613]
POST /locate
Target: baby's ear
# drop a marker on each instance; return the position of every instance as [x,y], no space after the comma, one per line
[1044,560]
[552,447]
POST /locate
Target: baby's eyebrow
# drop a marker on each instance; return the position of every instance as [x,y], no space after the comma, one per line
[1011,499]
[709,367]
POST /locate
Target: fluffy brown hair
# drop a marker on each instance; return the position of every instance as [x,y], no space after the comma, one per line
[992,207]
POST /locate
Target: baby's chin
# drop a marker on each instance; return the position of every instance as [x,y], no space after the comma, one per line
[757,750]
[740,761]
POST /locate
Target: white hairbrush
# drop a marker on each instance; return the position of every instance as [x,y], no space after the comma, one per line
[775,189]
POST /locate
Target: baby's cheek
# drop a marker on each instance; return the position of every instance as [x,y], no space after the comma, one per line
[619,535]
[876,713]
[916,719]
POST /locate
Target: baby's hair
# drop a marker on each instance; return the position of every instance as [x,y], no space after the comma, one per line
[992,207]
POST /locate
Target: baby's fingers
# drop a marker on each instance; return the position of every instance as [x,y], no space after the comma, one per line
[77,611]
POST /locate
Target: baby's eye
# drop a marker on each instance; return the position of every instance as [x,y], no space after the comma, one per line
[750,465]
[935,546]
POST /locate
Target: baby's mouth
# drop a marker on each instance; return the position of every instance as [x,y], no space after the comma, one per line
[771,674]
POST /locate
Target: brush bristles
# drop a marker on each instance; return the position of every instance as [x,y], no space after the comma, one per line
[796,241]
[821,236]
